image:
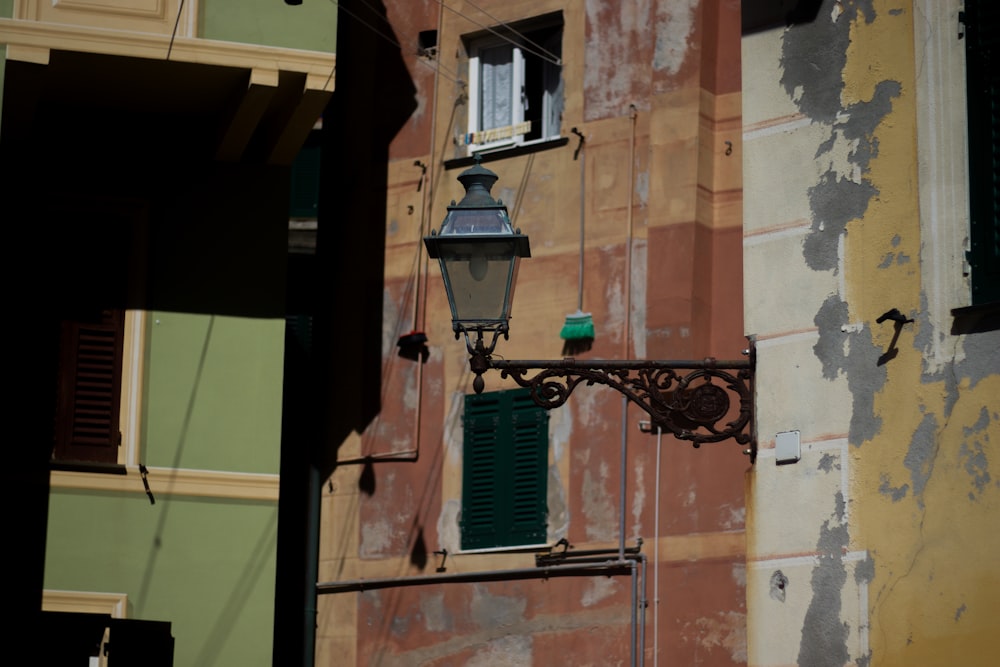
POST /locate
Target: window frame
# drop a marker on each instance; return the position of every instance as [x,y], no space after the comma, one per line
[504,472]
[519,39]
[129,386]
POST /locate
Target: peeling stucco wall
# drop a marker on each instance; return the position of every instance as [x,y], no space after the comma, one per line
[658,181]
[898,421]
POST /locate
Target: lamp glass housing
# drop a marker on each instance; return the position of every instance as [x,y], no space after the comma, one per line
[479,254]
[479,278]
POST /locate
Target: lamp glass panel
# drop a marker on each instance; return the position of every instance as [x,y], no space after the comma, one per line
[476,221]
[478,279]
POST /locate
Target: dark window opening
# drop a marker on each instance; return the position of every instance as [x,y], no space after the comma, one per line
[983,101]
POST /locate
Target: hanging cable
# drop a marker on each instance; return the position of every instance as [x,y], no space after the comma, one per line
[177,22]
[441,69]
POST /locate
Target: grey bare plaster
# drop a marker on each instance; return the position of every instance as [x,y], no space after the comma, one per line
[858,356]
[824,635]
[834,201]
[919,459]
[829,349]
[897,493]
[813,56]
[973,454]
[982,357]
[829,463]
[981,423]
[812,60]
[864,571]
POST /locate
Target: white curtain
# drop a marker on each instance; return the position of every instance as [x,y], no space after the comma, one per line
[496,78]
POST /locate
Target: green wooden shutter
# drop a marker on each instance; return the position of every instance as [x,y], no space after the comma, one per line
[505,469]
[480,453]
[983,91]
[89,394]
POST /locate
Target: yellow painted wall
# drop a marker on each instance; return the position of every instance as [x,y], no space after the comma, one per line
[888,558]
[927,486]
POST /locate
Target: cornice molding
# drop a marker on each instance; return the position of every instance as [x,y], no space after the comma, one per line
[114,605]
[167,482]
[28,37]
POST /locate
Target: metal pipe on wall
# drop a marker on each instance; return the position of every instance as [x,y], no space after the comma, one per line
[656,552]
[627,334]
[632,614]
[357,585]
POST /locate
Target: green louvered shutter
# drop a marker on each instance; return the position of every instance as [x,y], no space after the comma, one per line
[983,84]
[504,471]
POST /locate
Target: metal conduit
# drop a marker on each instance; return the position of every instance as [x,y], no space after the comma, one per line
[588,565]
[553,558]
[357,585]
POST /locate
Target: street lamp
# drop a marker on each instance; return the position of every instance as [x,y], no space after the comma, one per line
[699,401]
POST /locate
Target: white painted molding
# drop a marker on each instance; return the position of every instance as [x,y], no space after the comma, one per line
[113,604]
[168,482]
[31,36]
[156,16]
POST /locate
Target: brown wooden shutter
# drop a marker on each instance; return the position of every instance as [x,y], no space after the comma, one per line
[89,392]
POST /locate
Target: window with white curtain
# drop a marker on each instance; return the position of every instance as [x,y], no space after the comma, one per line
[515,86]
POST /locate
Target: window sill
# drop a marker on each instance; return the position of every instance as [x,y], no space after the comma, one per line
[503,153]
[89,466]
[976,319]
[520,548]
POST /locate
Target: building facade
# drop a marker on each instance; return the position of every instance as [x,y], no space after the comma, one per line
[614,130]
[815,196]
[305,473]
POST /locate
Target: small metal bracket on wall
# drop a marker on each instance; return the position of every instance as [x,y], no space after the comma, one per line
[444,556]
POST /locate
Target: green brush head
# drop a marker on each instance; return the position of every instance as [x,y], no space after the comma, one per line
[578,326]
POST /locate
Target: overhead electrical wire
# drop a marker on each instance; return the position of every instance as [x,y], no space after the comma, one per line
[542,52]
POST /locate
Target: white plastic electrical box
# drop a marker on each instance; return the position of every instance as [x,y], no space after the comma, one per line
[787,447]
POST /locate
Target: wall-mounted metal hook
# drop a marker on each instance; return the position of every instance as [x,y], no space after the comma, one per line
[444,556]
[577,132]
[898,320]
[423,173]
[893,315]
[145,482]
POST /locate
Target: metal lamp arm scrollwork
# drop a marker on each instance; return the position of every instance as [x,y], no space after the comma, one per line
[702,401]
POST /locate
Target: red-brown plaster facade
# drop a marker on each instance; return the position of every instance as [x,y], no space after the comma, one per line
[657,97]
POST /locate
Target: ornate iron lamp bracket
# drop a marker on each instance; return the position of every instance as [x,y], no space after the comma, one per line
[699,401]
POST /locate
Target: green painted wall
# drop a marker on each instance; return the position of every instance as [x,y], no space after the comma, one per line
[213,393]
[311,26]
[212,401]
[207,566]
